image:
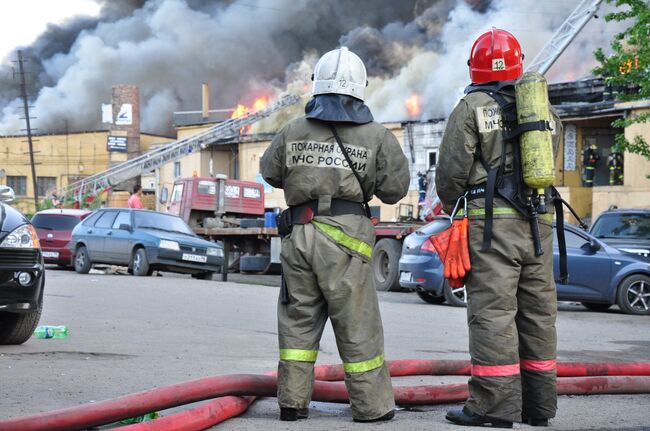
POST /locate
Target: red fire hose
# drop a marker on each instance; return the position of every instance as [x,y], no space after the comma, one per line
[605,378]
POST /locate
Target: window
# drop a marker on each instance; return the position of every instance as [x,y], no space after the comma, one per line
[622,225]
[177,193]
[253,193]
[232,191]
[90,221]
[572,240]
[433,156]
[106,219]
[166,222]
[207,187]
[177,169]
[19,184]
[45,185]
[54,222]
[124,217]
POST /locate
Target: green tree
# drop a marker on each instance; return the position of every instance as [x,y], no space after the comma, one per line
[629,67]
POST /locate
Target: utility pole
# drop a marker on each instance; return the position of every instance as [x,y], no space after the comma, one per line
[23,90]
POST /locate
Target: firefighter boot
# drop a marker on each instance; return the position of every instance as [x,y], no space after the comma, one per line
[467,418]
[535,422]
[388,416]
[289,414]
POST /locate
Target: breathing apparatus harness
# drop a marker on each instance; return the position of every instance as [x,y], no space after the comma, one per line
[510,185]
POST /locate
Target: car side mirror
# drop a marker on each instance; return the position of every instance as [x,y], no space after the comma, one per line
[592,246]
[595,245]
[7,194]
[164,195]
[125,226]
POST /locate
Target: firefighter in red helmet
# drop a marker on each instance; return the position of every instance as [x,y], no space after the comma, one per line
[512,306]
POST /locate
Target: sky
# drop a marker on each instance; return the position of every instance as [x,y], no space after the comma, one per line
[22,21]
[162,50]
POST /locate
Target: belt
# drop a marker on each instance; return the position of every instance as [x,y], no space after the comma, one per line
[305,212]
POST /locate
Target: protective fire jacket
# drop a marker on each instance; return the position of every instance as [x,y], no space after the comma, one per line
[476,122]
[305,160]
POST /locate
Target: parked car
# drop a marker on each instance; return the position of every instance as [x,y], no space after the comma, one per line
[144,241]
[627,230]
[22,274]
[54,229]
[599,275]
[421,269]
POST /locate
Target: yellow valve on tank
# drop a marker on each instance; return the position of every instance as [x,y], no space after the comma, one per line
[538,164]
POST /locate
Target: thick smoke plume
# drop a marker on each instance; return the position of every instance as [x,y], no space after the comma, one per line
[250,48]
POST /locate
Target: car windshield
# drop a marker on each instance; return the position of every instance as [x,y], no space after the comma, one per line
[54,222]
[628,226]
[159,221]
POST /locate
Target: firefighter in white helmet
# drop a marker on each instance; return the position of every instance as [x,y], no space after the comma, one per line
[330,163]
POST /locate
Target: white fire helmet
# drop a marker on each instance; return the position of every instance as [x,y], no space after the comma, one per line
[340,72]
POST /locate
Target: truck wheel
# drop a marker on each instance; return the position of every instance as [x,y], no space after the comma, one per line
[254,263]
[385,264]
[456,296]
[82,261]
[252,222]
[139,263]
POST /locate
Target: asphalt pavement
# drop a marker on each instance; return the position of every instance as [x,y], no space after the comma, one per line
[129,334]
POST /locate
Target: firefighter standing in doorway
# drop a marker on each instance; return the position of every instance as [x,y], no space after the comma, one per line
[511,293]
[330,163]
[590,159]
[615,165]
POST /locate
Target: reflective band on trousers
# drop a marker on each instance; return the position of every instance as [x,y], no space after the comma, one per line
[535,365]
[362,367]
[344,239]
[298,355]
[495,370]
[502,211]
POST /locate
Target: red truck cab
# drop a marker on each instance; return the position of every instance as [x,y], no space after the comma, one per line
[198,199]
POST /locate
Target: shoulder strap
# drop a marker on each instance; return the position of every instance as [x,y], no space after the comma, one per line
[493,173]
[356,174]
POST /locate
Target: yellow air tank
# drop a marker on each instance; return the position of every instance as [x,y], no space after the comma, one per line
[538,164]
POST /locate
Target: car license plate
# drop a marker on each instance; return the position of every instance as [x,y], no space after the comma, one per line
[195,258]
[51,254]
[405,276]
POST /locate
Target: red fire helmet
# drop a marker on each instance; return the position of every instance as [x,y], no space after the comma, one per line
[496,56]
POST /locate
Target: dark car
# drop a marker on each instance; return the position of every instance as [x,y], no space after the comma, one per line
[22,275]
[421,269]
[144,241]
[599,275]
[54,229]
[627,230]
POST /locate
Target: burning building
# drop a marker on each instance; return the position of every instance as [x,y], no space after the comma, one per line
[415,52]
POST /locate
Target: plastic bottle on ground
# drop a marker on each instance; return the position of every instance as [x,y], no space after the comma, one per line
[48,331]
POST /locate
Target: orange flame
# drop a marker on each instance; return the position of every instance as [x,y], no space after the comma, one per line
[260,103]
[239,111]
[413,105]
[242,110]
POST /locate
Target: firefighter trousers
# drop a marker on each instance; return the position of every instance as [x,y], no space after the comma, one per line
[511,313]
[324,280]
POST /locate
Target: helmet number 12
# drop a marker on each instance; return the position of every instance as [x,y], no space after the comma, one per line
[498,64]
